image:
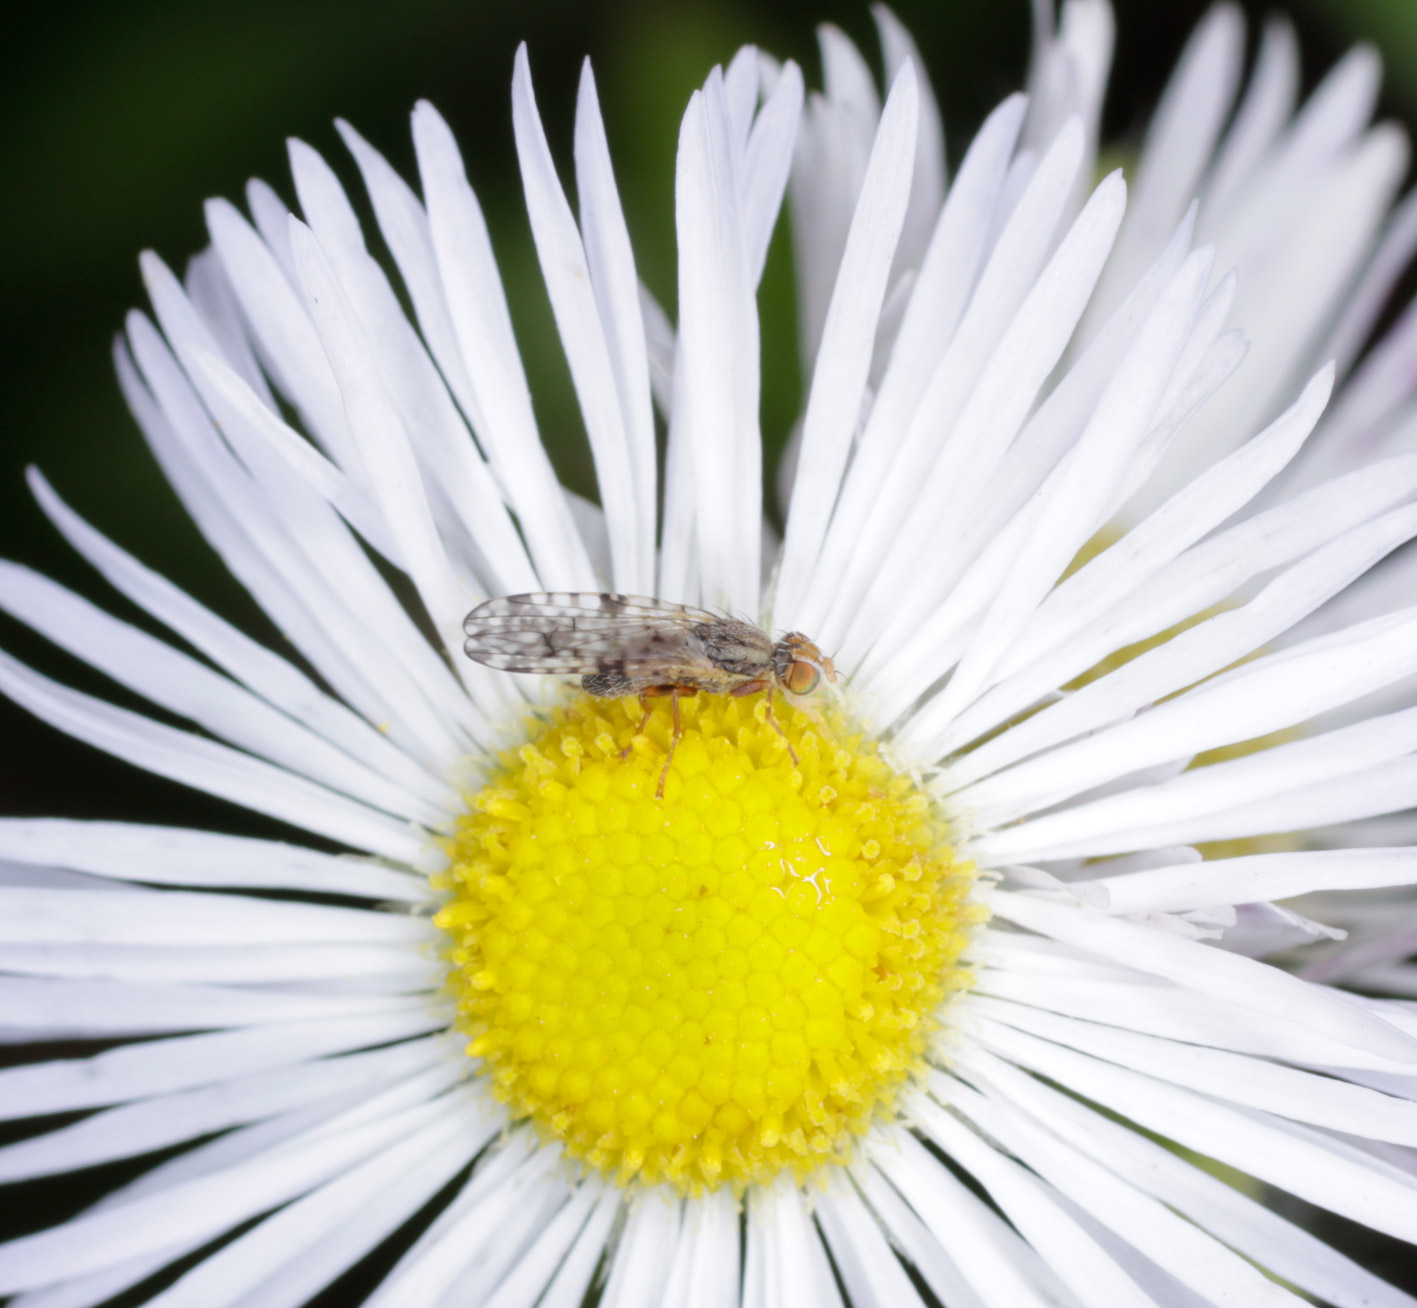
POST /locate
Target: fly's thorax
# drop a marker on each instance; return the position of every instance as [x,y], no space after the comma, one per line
[738,648]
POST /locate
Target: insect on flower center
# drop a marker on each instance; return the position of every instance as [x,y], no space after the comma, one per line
[714,986]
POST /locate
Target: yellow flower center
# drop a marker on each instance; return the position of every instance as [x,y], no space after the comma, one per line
[713,986]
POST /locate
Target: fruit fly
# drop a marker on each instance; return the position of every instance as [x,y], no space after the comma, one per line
[632,645]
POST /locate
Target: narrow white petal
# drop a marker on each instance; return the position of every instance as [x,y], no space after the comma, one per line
[1264,110]
[290,346]
[1255,877]
[785,1260]
[385,452]
[617,296]
[102,1009]
[1212,645]
[1298,684]
[45,916]
[1315,1168]
[189,689]
[767,162]
[865,1262]
[1243,1223]
[1075,502]
[1073,1254]
[573,1279]
[927,190]
[538,1267]
[1193,1257]
[1178,146]
[705,1271]
[364,1202]
[982,1245]
[646,1251]
[1187,516]
[951,482]
[1013,300]
[462,486]
[166,1120]
[207,1205]
[477,306]
[917,1241]
[1210,971]
[216,306]
[1254,1082]
[844,359]
[300,562]
[208,766]
[717,390]
[481,1235]
[265,673]
[172,856]
[164,1066]
[566,270]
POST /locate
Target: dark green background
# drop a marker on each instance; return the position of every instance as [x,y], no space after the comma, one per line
[116,121]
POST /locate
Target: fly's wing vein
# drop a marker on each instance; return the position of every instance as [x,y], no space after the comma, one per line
[650,651]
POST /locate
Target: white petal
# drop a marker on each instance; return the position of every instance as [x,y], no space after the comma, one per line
[1265,109]
[385,452]
[1253,1082]
[927,190]
[208,766]
[207,1205]
[478,309]
[166,1120]
[867,1266]
[1315,1168]
[917,1241]
[717,389]
[42,916]
[265,673]
[1298,684]
[566,269]
[1244,1224]
[1255,877]
[172,856]
[1028,1204]
[539,1266]
[982,1245]
[463,488]
[102,1009]
[990,419]
[1194,1258]
[646,1251]
[363,1205]
[839,377]
[939,298]
[1179,142]
[1198,967]
[617,297]
[189,689]
[290,347]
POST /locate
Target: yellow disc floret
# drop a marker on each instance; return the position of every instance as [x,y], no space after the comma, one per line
[713,986]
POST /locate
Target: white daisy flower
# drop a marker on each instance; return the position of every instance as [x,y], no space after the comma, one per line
[890,994]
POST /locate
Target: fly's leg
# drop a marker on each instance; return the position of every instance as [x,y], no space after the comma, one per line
[752,688]
[777,726]
[673,740]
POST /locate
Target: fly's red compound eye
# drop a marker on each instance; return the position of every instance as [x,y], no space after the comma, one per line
[801,678]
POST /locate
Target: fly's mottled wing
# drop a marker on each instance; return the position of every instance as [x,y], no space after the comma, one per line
[565,633]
